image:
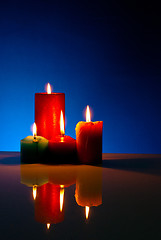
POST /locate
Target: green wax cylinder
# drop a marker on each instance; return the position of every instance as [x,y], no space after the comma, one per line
[33,150]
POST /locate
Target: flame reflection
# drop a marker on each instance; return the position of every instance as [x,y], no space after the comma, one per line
[48,225]
[34,192]
[87,211]
[61,199]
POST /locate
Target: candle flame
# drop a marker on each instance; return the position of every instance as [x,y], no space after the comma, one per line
[61,198]
[48,225]
[34,192]
[88,114]
[62,130]
[34,129]
[87,211]
[48,88]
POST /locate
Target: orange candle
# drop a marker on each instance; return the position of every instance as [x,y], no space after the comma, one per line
[89,140]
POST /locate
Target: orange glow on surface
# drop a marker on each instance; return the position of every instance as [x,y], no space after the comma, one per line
[48,225]
[48,88]
[61,198]
[34,192]
[88,114]
[62,130]
[87,211]
[34,129]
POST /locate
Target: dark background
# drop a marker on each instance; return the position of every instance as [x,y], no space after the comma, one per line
[103,53]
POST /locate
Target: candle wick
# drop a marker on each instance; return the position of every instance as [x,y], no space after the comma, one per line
[35,140]
[62,137]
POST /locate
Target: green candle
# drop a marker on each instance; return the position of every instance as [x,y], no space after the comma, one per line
[33,148]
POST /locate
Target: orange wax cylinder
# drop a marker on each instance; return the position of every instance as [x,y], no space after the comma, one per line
[89,142]
[62,149]
[89,186]
[47,113]
[47,204]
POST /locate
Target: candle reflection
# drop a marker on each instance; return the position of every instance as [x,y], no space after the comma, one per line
[88,191]
[47,204]
[49,183]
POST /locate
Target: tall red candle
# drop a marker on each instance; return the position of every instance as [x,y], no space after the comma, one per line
[48,107]
[47,204]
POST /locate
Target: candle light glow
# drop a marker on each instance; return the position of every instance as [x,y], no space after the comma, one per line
[88,114]
[34,130]
[62,129]
[48,88]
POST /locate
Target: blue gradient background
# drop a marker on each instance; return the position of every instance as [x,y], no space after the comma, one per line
[105,54]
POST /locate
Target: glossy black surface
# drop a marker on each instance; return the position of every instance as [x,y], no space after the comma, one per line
[131,199]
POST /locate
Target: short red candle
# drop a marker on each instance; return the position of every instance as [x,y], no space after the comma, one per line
[47,204]
[89,142]
[47,113]
[62,149]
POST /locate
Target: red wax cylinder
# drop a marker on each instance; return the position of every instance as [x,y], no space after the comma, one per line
[89,142]
[47,113]
[62,149]
[47,204]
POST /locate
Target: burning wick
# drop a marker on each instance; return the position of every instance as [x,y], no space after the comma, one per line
[48,225]
[48,88]
[88,114]
[34,131]
[62,130]
[87,211]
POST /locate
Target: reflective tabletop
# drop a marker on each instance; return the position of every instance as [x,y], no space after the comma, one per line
[121,199]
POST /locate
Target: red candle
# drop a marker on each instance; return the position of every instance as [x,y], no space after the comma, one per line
[62,148]
[89,140]
[47,113]
[48,204]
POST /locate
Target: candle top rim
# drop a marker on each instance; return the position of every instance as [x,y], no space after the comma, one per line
[53,93]
[91,122]
[30,139]
[65,137]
